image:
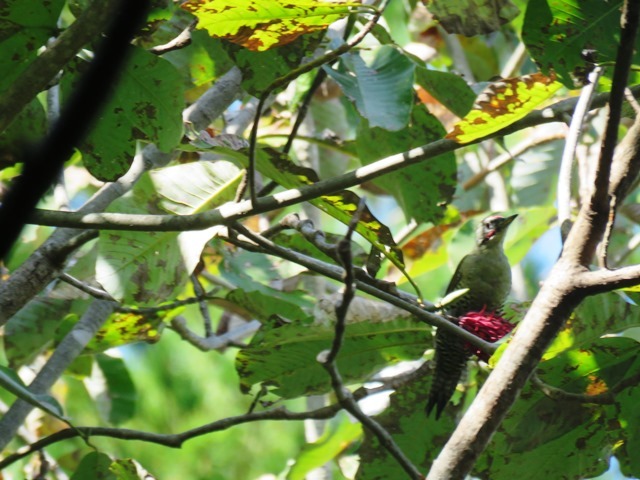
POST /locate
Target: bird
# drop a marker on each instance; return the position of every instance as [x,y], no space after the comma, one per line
[486,273]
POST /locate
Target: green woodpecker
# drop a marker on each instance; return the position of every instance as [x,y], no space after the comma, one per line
[486,273]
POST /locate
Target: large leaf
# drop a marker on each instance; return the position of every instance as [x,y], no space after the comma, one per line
[261,69]
[557,31]
[146,105]
[424,190]
[285,357]
[503,103]
[381,90]
[607,313]
[149,267]
[472,17]
[263,24]
[24,28]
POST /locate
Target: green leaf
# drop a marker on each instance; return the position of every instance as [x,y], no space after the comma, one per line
[339,434]
[263,24]
[150,267]
[28,127]
[421,190]
[124,328]
[382,89]
[128,469]
[598,315]
[448,88]
[285,357]
[146,105]
[119,399]
[94,465]
[557,31]
[24,28]
[11,382]
[472,17]
[31,330]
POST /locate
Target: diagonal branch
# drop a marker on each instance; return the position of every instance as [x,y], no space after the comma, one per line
[235,211]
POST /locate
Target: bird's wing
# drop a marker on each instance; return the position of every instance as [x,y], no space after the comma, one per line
[457,276]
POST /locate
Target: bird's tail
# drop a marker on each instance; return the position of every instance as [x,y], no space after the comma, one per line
[451,358]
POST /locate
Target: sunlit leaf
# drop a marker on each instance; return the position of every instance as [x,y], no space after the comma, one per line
[339,434]
[263,24]
[503,103]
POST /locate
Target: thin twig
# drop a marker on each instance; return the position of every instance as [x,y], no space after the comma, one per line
[214,342]
[571,143]
[169,440]
[328,359]
[181,41]
[85,287]
[202,304]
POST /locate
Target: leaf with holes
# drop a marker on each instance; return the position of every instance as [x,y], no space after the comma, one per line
[556,32]
[284,357]
[472,17]
[263,24]
[503,103]
[147,267]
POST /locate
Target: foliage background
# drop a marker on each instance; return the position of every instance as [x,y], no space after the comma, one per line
[366,109]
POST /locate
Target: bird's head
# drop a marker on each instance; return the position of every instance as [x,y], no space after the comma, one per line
[492,230]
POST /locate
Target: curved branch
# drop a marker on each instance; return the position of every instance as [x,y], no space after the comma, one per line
[175,440]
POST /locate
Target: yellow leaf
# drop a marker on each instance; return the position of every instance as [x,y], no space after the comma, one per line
[503,103]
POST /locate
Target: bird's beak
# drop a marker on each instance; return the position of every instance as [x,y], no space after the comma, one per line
[507,221]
